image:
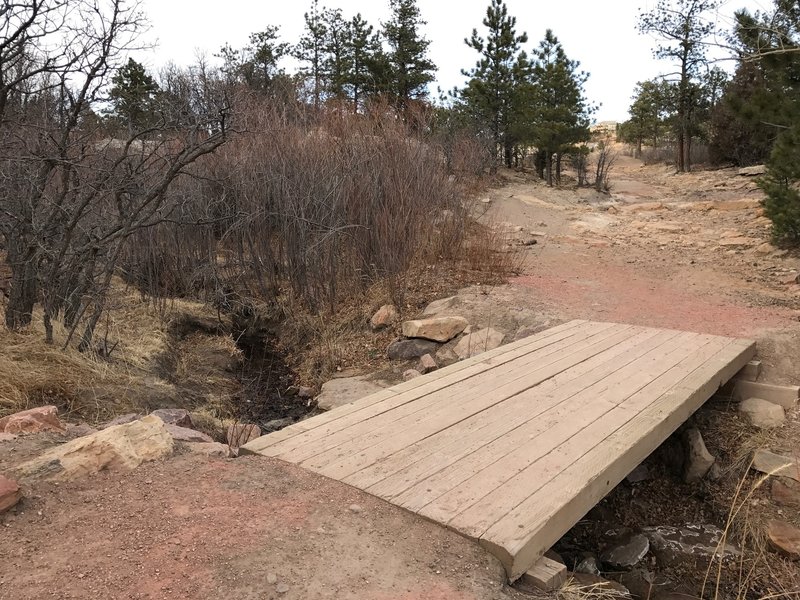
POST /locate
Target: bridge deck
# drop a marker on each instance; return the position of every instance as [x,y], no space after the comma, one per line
[514,446]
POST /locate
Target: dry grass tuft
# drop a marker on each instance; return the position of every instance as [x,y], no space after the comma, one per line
[573,590]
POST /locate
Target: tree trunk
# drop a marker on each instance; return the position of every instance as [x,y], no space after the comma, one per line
[558,168]
[549,168]
[508,149]
[24,289]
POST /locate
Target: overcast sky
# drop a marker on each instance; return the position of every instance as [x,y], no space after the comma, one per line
[601,35]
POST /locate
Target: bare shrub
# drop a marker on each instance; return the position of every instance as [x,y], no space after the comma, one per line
[604,161]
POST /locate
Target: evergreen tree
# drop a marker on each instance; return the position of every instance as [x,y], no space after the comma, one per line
[133,96]
[650,112]
[410,69]
[683,28]
[310,51]
[257,65]
[365,61]
[560,112]
[494,91]
[338,52]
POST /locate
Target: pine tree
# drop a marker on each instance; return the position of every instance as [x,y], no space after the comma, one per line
[338,52]
[683,28]
[310,51]
[365,58]
[410,69]
[560,112]
[133,97]
[494,88]
[650,111]
[257,65]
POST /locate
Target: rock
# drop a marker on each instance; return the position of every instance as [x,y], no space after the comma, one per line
[410,374]
[355,508]
[761,413]
[765,248]
[785,538]
[599,588]
[277,424]
[775,464]
[119,447]
[174,416]
[210,449]
[272,579]
[34,420]
[386,316]
[786,492]
[790,278]
[527,331]
[445,356]
[626,553]
[486,200]
[7,437]
[753,171]
[79,430]
[427,364]
[305,392]
[438,306]
[239,434]
[122,420]
[437,329]
[639,474]
[698,460]
[282,588]
[478,342]
[10,494]
[698,544]
[184,434]
[588,565]
[408,349]
[338,392]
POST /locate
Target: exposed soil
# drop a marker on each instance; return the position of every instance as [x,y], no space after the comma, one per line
[654,252]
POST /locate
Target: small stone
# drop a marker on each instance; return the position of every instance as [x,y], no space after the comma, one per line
[10,494]
[272,579]
[486,201]
[588,565]
[239,434]
[785,538]
[753,171]
[209,449]
[761,413]
[790,278]
[775,464]
[698,459]
[355,508]
[765,248]
[437,329]
[639,474]
[277,424]
[386,316]
[184,434]
[427,364]
[627,553]
[34,420]
[786,492]
[282,588]
[174,416]
[305,392]
[408,349]
[410,374]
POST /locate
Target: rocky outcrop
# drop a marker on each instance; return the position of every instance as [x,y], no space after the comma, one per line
[34,420]
[119,447]
[10,494]
[338,392]
[478,343]
[761,413]
[409,349]
[440,329]
[386,316]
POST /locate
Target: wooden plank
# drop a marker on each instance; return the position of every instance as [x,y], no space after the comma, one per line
[466,395]
[368,408]
[546,575]
[498,480]
[364,449]
[395,473]
[522,535]
[785,395]
[466,368]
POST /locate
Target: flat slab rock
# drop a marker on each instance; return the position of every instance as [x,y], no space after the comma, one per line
[675,545]
[338,392]
[785,538]
[184,434]
[627,552]
[409,349]
[10,494]
[774,464]
[478,343]
[34,420]
[438,329]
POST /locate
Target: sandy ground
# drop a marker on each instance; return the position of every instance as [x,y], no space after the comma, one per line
[193,528]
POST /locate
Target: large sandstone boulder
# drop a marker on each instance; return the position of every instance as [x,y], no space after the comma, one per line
[478,342]
[10,493]
[119,447]
[761,413]
[338,392]
[439,329]
[34,420]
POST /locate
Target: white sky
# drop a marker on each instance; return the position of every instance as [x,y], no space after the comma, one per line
[601,35]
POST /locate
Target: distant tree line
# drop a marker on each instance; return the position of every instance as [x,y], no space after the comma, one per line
[749,117]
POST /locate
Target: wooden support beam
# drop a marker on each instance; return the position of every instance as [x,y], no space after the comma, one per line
[750,372]
[546,575]
[785,395]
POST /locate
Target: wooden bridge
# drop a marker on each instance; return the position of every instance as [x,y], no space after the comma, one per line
[513,447]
